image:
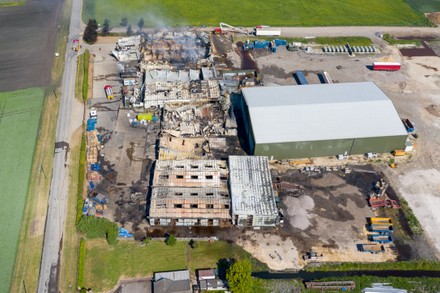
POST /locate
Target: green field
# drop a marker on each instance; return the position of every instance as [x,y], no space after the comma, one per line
[425,5]
[252,13]
[105,264]
[19,123]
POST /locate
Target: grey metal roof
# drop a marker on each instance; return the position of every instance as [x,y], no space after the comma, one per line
[321,112]
[172,282]
[251,186]
[173,275]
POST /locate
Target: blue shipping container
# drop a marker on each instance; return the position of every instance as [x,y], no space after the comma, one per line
[261,44]
[280,42]
[301,78]
[91,124]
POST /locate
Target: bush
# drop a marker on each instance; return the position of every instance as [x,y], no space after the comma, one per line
[192,243]
[171,240]
[81,262]
[94,227]
[112,233]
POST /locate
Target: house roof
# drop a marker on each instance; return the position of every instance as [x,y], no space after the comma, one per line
[172,282]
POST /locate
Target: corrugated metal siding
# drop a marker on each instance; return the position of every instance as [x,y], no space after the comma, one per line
[323,148]
[379,144]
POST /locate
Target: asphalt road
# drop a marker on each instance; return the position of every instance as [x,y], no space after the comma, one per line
[49,269]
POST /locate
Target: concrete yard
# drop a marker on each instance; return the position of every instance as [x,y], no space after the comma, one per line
[325,212]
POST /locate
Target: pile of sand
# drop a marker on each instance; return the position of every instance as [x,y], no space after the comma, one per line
[297,210]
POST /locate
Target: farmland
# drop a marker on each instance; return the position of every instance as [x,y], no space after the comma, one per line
[251,13]
[19,124]
[26,61]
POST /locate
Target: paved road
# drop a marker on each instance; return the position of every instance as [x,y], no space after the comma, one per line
[49,270]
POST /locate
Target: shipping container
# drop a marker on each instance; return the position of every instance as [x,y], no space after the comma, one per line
[399,153]
[267,31]
[301,78]
[261,44]
[386,66]
[280,42]
[381,238]
[408,125]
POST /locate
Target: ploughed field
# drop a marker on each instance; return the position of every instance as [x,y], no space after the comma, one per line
[252,13]
[20,113]
[27,43]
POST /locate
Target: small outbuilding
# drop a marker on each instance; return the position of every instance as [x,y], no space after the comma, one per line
[318,120]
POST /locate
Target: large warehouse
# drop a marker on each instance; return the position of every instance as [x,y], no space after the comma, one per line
[320,120]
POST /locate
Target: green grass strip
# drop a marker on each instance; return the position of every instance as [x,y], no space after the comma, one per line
[81,262]
[415,265]
[392,41]
[12,3]
[81,178]
[85,87]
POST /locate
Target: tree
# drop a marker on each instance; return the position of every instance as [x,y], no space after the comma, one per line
[171,240]
[192,243]
[141,23]
[106,27]
[124,21]
[239,277]
[91,31]
[129,30]
[146,240]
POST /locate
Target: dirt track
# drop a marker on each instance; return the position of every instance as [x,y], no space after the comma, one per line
[27,43]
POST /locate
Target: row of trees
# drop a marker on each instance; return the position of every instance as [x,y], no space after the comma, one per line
[91,31]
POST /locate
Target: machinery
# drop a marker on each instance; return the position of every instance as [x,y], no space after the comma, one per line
[225,28]
[76,45]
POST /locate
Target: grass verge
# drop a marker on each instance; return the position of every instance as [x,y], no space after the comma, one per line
[416,265]
[267,285]
[80,179]
[85,83]
[30,244]
[392,41]
[12,3]
[106,264]
[252,13]
[79,77]
[81,262]
[413,284]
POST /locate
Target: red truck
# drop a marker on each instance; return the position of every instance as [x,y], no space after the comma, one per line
[386,66]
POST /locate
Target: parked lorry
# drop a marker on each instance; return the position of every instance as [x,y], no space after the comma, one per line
[409,126]
[109,92]
[267,31]
[386,66]
[371,248]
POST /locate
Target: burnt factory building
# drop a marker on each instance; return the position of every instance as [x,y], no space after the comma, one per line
[320,120]
[190,193]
